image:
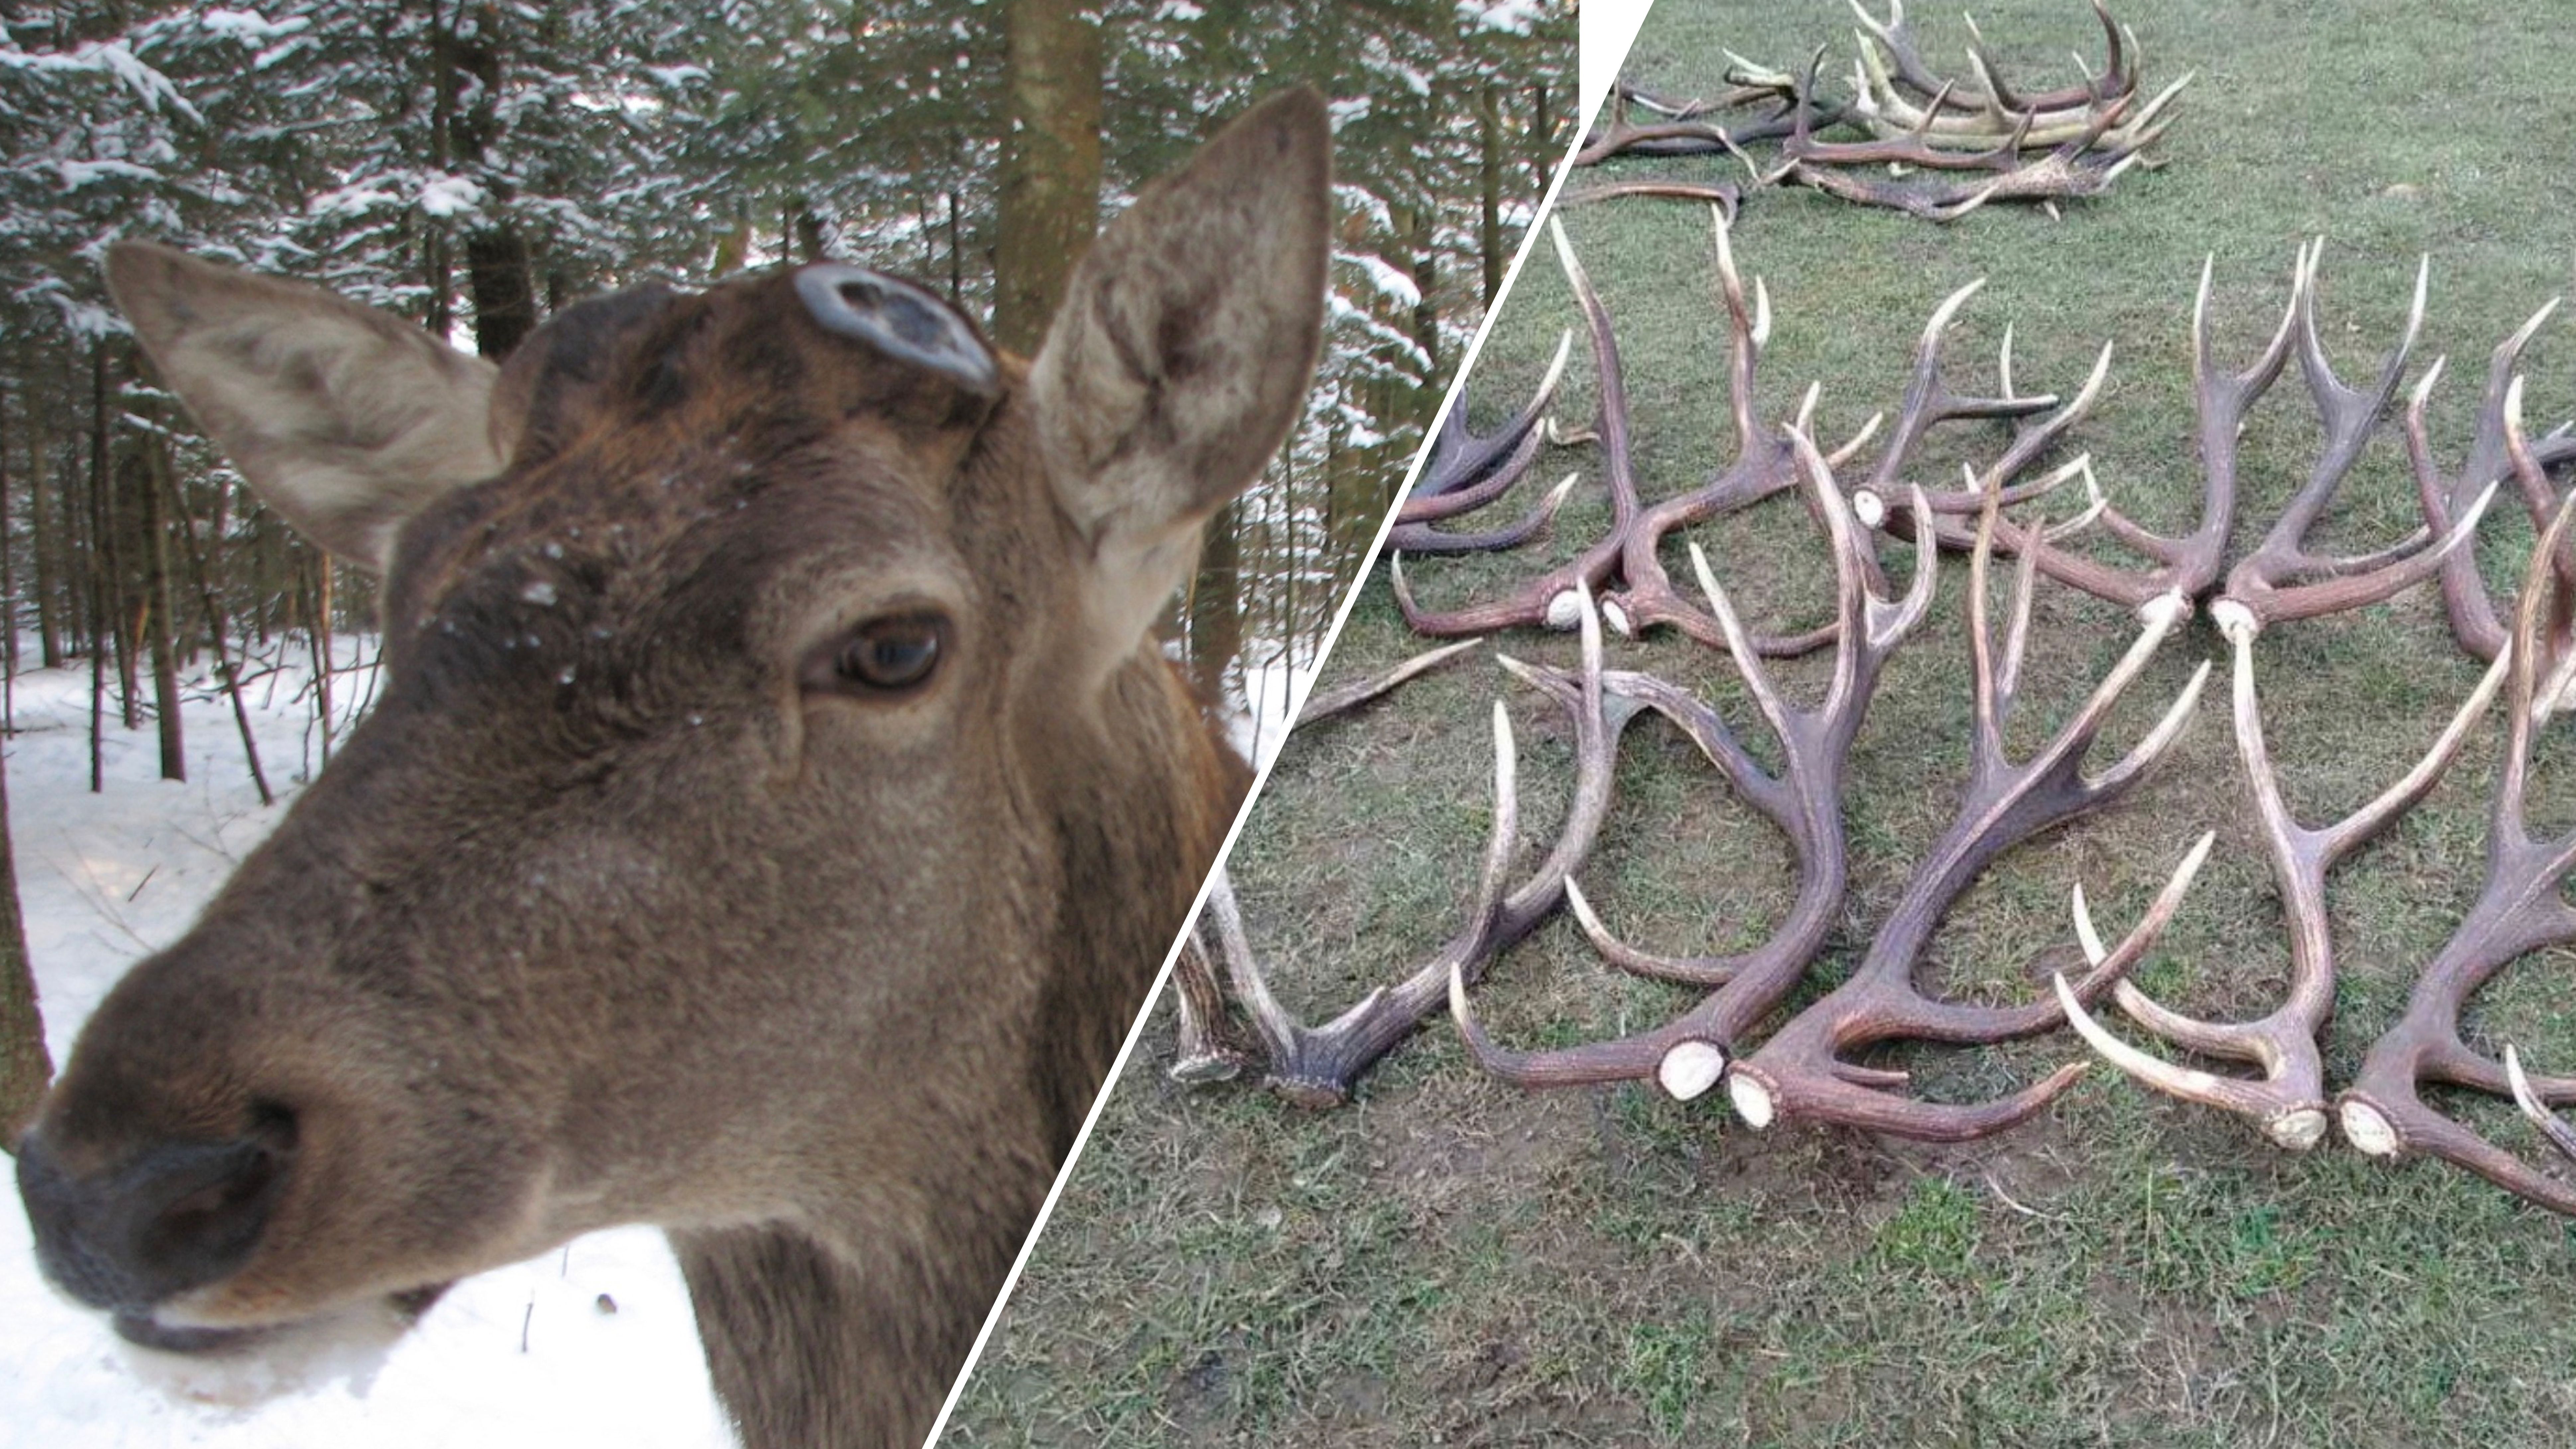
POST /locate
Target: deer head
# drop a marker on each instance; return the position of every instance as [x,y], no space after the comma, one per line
[773,816]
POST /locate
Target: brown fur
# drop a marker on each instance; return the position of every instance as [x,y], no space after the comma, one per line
[609,914]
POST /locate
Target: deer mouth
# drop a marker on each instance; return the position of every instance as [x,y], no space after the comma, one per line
[202,1341]
[150,1332]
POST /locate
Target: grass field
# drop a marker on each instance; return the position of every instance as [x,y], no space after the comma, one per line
[1452,1261]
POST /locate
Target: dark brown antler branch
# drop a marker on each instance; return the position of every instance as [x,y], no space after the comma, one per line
[2289,1100]
[1804,800]
[2521,909]
[1803,1072]
[1343,698]
[1688,129]
[1465,472]
[1762,466]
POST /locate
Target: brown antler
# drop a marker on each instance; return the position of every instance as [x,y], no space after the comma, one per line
[2119,75]
[2289,1100]
[1684,129]
[1763,465]
[2183,568]
[1343,698]
[1208,1049]
[1465,472]
[1804,800]
[1801,1072]
[1550,598]
[2521,909]
[2282,578]
[1317,1066]
[1628,549]
[2471,612]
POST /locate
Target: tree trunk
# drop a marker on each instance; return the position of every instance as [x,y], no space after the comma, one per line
[43,540]
[1420,240]
[1216,615]
[218,634]
[1542,143]
[1489,176]
[320,637]
[504,289]
[8,587]
[25,1065]
[160,621]
[1050,181]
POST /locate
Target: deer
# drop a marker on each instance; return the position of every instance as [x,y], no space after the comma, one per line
[775,813]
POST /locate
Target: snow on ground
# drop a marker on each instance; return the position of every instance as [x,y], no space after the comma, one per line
[527,1355]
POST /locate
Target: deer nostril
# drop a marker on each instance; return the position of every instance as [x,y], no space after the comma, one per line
[214,1201]
[180,1215]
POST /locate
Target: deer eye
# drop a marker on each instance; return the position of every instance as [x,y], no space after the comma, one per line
[887,655]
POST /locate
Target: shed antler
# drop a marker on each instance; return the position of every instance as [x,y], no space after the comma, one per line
[1551,598]
[1975,117]
[2289,1100]
[2080,158]
[1317,1066]
[2521,909]
[1762,466]
[1906,68]
[1465,472]
[1804,799]
[2464,594]
[2282,579]
[1802,1072]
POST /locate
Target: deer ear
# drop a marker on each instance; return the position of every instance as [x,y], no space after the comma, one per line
[1186,341]
[345,419]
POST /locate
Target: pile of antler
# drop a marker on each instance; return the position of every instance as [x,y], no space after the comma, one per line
[1809,1067]
[1937,148]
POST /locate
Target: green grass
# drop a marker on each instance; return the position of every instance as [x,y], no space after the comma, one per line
[1451,1261]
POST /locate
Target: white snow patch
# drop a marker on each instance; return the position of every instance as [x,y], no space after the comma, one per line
[450,196]
[106,878]
[1390,281]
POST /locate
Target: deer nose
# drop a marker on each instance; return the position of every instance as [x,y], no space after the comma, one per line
[179,1215]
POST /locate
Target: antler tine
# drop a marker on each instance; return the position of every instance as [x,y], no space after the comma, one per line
[1341,699]
[1803,1071]
[1761,467]
[2520,909]
[1550,598]
[1688,1055]
[1422,538]
[2471,612]
[2283,578]
[2030,442]
[2288,1101]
